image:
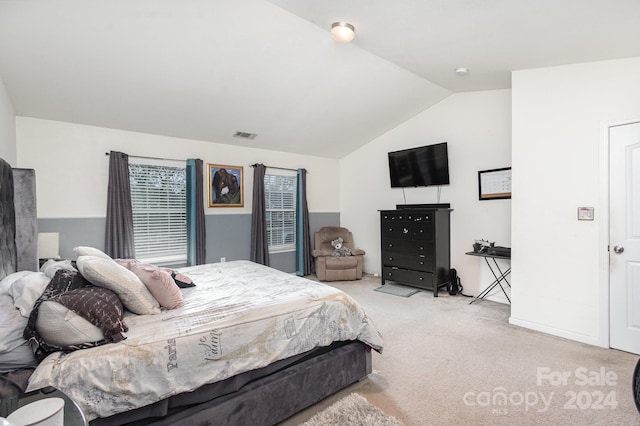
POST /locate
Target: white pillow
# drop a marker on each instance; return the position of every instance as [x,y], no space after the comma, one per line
[90,251]
[6,282]
[26,291]
[12,325]
[18,358]
[108,274]
[60,326]
[51,266]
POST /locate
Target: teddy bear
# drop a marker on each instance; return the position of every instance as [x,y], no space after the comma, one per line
[339,249]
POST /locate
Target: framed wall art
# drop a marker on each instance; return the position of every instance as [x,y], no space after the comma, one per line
[494,184]
[225,186]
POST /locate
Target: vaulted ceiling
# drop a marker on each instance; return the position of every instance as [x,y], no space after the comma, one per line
[206,69]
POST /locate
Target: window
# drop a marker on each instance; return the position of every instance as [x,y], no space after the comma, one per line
[159,203]
[280,201]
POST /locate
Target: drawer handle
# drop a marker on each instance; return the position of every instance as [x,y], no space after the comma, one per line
[405,230]
[422,263]
[420,278]
[391,258]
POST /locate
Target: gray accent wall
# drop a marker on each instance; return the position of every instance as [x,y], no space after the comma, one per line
[228,236]
[75,232]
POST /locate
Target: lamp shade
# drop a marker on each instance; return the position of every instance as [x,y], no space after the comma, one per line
[343,32]
[48,245]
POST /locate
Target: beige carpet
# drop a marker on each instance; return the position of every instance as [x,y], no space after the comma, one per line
[353,410]
[446,362]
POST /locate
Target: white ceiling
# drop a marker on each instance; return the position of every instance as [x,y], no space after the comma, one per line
[204,69]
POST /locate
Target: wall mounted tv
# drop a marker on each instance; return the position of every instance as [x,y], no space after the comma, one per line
[421,166]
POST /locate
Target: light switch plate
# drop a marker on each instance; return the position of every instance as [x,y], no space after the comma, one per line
[585,213]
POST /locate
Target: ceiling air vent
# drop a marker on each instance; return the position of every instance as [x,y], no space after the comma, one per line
[245,135]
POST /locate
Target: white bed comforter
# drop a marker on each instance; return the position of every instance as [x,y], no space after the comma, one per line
[239,317]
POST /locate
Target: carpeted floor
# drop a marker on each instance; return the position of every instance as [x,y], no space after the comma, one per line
[446,362]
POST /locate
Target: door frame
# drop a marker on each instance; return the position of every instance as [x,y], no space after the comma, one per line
[604,199]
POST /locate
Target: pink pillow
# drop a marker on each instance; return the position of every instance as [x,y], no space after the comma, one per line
[160,285]
[127,263]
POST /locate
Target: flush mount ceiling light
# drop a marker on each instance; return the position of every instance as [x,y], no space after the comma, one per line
[342,32]
[462,71]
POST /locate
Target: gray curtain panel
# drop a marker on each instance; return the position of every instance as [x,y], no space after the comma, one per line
[304,259]
[196,232]
[259,243]
[201,233]
[119,228]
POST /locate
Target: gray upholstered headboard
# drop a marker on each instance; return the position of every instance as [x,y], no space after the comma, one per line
[19,221]
[24,204]
[9,262]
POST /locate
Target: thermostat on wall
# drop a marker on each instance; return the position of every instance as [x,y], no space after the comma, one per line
[585,213]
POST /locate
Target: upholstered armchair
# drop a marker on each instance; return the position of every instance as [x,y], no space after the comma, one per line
[331,268]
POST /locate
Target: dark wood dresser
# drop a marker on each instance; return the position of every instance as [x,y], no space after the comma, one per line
[416,247]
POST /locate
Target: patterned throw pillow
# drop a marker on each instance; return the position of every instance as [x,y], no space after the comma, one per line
[109,274]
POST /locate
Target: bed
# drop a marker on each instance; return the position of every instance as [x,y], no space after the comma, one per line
[247,345]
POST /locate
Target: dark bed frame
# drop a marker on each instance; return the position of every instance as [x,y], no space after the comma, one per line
[264,396]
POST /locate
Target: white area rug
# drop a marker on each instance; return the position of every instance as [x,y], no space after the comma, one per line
[353,410]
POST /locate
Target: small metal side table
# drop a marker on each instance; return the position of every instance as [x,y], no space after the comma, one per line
[499,276]
[73,416]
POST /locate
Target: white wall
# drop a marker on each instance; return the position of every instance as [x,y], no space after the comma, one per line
[72,168]
[557,118]
[7,127]
[477,127]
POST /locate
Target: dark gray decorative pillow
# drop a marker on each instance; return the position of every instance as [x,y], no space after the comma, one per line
[100,306]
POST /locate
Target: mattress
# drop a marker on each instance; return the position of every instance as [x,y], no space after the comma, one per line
[239,317]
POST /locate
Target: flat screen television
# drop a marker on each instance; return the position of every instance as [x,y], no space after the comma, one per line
[421,166]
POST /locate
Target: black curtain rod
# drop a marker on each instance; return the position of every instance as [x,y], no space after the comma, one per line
[151,158]
[279,168]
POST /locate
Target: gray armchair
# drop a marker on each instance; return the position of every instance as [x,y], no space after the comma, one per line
[330,268]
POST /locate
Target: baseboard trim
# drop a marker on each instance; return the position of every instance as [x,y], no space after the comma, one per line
[590,340]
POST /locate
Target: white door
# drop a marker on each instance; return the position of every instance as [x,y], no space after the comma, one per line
[624,237]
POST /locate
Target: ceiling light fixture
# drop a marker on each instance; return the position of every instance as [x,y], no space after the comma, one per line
[462,71]
[343,32]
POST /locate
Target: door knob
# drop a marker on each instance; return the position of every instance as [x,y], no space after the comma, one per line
[618,249]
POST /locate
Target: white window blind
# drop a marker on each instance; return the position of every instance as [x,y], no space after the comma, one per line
[280,201]
[159,203]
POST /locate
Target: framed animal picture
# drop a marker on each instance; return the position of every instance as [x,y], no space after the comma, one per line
[225,186]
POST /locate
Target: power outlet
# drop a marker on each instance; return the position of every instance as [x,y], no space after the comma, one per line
[223,259]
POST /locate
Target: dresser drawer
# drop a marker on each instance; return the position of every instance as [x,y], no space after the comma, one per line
[421,231]
[419,217]
[408,230]
[417,278]
[406,246]
[393,217]
[399,229]
[408,261]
